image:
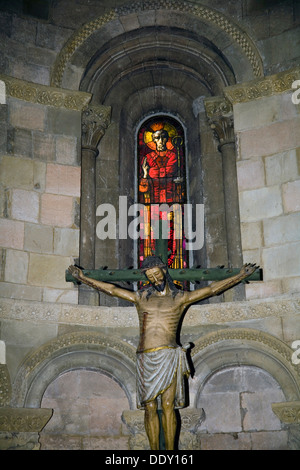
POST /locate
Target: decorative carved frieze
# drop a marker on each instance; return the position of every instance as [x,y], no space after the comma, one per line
[24,419]
[95,120]
[5,386]
[288,412]
[259,88]
[202,12]
[118,317]
[45,95]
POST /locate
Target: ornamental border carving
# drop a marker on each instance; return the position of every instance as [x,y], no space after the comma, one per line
[288,412]
[45,95]
[262,87]
[24,419]
[202,12]
[117,317]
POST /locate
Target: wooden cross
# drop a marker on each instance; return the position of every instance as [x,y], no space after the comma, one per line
[194,274]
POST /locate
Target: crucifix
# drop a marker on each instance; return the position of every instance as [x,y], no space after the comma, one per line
[162,364]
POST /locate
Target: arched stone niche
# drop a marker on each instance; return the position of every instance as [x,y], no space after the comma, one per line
[88,406]
[68,352]
[244,346]
[227,36]
[149,58]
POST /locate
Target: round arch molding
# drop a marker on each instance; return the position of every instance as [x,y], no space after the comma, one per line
[79,350]
[215,26]
[244,346]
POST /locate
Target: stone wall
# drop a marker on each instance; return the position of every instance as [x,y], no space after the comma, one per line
[40,190]
[268,167]
[274,27]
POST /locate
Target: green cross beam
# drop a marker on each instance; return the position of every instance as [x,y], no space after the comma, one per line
[161,250]
[190,274]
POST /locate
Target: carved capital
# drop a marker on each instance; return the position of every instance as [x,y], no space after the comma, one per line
[191,419]
[288,412]
[24,419]
[220,117]
[95,120]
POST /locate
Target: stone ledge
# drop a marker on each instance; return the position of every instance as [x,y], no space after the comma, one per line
[261,87]
[45,95]
[119,317]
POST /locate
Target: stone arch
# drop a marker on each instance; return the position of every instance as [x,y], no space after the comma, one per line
[87,350]
[199,17]
[244,346]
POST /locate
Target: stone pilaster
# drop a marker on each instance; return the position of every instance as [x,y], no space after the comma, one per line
[95,120]
[220,116]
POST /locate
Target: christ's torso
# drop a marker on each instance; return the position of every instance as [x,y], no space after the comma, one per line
[159,317]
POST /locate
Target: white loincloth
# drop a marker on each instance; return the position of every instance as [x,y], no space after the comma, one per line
[156,369]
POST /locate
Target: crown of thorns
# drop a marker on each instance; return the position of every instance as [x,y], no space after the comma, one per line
[152,262]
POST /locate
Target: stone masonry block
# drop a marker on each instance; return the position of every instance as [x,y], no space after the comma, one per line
[11,234]
[264,111]
[56,210]
[32,72]
[63,179]
[27,115]
[16,266]
[260,203]
[250,174]
[268,140]
[25,205]
[66,241]
[291,196]
[38,238]
[66,150]
[291,285]
[257,113]
[22,173]
[20,142]
[281,168]
[64,122]
[43,146]
[281,261]
[251,234]
[48,270]
[258,416]
[228,419]
[20,291]
[63,296]
[283,229]
[263,290]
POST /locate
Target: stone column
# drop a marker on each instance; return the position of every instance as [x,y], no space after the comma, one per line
[95,120]
[220,116]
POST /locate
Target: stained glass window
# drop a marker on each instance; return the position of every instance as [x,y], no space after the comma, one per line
[162,184]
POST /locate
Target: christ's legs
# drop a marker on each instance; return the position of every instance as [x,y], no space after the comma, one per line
[152,424]
[169,421]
